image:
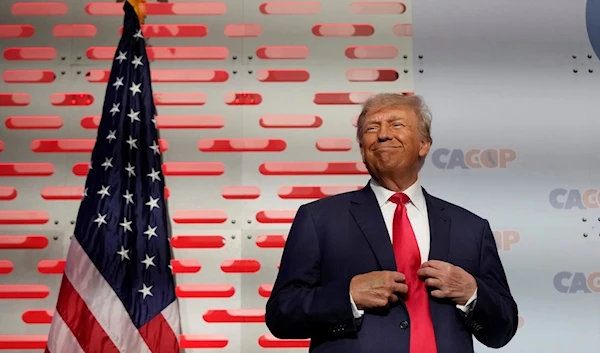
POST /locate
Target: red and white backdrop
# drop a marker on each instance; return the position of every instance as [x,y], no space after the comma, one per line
[257,102]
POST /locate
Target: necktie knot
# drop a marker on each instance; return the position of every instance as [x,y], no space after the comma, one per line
[400,198]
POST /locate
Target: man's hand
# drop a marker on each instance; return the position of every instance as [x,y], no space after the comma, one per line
[377,289]
[448,281]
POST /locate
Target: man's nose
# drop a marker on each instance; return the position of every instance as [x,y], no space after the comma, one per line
[383,134]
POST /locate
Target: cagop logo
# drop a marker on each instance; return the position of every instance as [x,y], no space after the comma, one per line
[505,239]
[567,199]
[444,158]
[576,282]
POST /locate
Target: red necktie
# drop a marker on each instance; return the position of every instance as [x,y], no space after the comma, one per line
[408,261]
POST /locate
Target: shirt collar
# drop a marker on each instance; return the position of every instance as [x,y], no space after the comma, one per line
[414,192]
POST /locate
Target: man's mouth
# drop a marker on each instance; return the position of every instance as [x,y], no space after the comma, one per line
[384,148]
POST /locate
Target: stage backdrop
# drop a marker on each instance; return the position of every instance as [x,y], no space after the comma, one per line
[256,104]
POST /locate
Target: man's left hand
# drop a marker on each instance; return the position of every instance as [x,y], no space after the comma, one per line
[448,281]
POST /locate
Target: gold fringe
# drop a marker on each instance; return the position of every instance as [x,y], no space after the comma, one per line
[140,9]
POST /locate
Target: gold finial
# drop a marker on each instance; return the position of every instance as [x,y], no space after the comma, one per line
[140,9]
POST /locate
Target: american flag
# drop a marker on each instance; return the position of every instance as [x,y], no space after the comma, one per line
[117,293]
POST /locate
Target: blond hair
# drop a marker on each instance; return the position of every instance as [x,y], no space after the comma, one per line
[384,101]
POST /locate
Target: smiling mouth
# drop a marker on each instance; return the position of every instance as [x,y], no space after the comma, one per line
[385,148]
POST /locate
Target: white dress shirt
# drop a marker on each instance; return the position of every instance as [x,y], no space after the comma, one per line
[417,215]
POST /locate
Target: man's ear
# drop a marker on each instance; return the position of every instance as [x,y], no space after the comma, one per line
[425,147]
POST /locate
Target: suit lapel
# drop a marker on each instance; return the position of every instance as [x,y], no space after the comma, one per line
[439,229]
[367,214]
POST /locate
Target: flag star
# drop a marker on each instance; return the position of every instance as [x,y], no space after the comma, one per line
[122,56]
[118,83]
[171,268]
[126,225]
[153,203]
[154,175]
[104,191]
[137,61]
[135,88]
[91,162]
[151,232]
[138,34]
[154,121]
[124,253]
[133,115]
[130,169]
[85,192]
[107,163]
[131,143]
[148,261]
[115,109]
[101,219]
[128,197]
[145,291]
[155,148]
[111,135]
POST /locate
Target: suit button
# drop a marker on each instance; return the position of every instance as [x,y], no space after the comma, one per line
[404,325]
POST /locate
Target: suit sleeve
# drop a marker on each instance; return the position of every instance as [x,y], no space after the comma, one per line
[494,318]
[301,304]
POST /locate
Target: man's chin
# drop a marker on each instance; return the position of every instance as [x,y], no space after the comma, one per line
[383,170]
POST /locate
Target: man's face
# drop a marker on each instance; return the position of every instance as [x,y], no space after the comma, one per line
[391,142]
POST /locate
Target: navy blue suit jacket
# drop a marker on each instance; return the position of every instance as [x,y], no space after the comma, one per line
[335,238]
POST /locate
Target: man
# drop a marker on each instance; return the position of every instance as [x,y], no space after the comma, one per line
[390,268]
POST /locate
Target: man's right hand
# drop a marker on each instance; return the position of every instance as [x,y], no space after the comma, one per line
[377,289]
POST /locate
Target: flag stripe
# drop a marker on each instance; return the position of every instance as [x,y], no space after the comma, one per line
[82,323]
[102,301]
[171,314]
[63,340]
[159,336]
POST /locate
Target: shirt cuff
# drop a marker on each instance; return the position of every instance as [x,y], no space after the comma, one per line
[355,312]
[468,307]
